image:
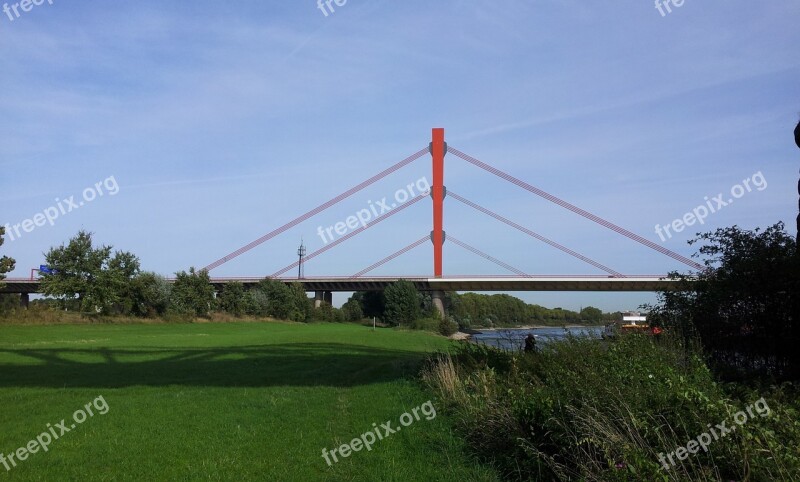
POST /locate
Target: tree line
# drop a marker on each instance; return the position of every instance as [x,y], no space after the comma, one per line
[90,279]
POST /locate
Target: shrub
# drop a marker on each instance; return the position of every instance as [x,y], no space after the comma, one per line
[584,410]
[447,326]
[192,293]
[425,324]
[233,298]
[150,295]
[744,307]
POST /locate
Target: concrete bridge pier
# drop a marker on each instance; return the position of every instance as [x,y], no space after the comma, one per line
[437,297]
[24,300]
[320,296]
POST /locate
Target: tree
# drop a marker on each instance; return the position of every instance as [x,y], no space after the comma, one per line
[301,305]
[592,314]
[119,275]
[324,312]
[233,298]
[257,302]
[373,303]
[150,294]
[279,298]
[402,303]
[352,310]
[743,307]
[192,293]
[6,263]
[88,278]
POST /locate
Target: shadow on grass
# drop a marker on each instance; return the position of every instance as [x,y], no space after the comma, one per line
[299,364]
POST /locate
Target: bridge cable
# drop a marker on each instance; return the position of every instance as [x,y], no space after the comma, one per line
[575,209]
[350,235]
[533,234]
[317,209]
[392,256]
[486,256]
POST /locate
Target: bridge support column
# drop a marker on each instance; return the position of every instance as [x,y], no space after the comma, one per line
[320,296]
[438,148]
[24,300]
[437,297]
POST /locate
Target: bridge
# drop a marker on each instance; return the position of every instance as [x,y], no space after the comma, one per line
[437,284]
[324,287]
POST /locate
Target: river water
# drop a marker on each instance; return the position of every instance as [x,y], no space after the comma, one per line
[514,338]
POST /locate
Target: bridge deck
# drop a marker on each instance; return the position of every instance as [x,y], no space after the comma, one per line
[471,283]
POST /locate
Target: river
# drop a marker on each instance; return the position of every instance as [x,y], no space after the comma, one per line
[514,338]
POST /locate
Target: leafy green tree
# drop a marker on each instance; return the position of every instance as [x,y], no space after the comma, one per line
[277,299]
[6,263]
[590,313]
[89,278]
[301,305]
[192,293]
[233,298]
[402,303]
[280,303]
[257,302]
[373,303]
[118,274]
[352,310]
[324,312]
[743,306]
[150,294]
[328,313]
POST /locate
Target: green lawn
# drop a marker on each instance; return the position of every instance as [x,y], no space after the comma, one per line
[238,401]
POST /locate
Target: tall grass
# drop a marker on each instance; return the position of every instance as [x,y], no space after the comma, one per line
[584,410]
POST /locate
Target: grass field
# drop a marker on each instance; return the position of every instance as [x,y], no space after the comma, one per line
[233,401]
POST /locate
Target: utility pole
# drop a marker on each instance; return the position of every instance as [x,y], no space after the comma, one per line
[301,252]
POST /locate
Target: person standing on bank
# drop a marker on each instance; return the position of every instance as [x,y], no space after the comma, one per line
[530,343]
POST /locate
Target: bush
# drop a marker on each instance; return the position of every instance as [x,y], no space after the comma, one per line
[425,324]
[352,310]
[150,295]
[192,293]
[233,298]
[744,307]
[447,326]
[9,303]
[256,303]
[583,410]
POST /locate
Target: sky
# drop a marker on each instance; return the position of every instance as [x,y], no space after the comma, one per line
[190,129]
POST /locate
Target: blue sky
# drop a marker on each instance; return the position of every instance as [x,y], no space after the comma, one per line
[221,121]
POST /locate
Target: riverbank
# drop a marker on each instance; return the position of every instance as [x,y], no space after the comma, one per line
[577,409]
